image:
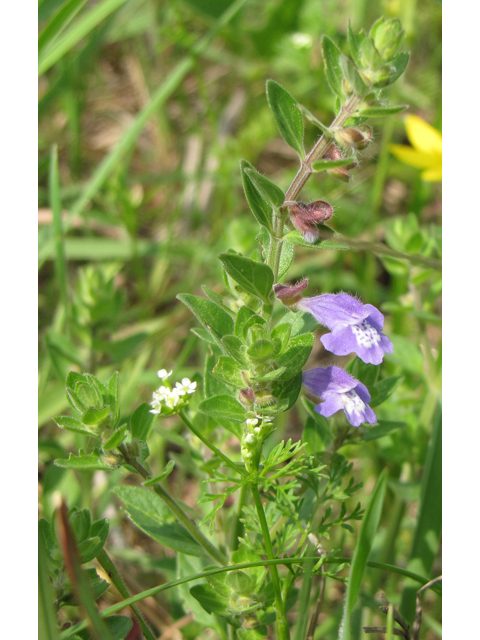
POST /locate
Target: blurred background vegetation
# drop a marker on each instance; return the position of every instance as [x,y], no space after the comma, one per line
[149,128]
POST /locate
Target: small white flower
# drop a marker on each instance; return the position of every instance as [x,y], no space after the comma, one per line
[257,430]
[252,422]
[173,399]
[250,438]
[156,407]
[163,374]
[161,394]
[184,387]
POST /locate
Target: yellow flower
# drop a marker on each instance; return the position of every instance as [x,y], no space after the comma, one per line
[426,150]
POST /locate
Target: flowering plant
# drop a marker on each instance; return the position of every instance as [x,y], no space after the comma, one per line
[257,337]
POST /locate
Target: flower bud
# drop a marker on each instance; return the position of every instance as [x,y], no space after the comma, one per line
[359,137]
[264,399]
[290,295]
[247,397]
[387,35]
[307,217]
[341,173]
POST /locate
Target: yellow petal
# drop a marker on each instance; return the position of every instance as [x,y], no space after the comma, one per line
[432,175]
[422,136]
[414,158]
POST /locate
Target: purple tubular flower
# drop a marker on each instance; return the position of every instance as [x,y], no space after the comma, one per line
[339,390]
[355,327]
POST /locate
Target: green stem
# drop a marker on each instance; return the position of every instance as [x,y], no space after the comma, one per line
[112,572]
[212,447]
[189,525]
[283,630]
[237,529]
[304,600]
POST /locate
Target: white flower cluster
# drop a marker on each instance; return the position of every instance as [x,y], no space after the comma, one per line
[171,400]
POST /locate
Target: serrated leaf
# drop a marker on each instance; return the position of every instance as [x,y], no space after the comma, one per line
[227,370]
[332,57]
[161,476]
[287,116]
[267,189]
[259,207]
[84,461]
[296,355]
[141,422]
[383,389]
[381,112]
[254,277]
[223,406]
[66,422]
[213,318]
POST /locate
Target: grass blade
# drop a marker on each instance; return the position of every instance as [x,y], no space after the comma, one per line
[47,620]
[426,539]
[364,544]
[56,206]
[78,31]
[59,22]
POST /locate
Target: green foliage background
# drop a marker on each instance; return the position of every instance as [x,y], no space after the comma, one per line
[150,189]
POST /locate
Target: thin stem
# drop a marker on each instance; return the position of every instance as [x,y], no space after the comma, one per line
[282,622]
[212,447]
[237,529]
[112,572]
[189,525]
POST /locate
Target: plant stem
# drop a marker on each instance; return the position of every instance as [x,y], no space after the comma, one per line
[212,447]
[175,508]
[237,528]
[283,630]
[112,572]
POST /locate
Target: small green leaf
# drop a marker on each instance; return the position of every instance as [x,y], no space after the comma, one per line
[116,439]
[355,41]
[287,116]
[400,63]
[286,259]
[267,190]
[147,511]
[296,354]
[260,350]
[165,473]
[381,112]
[312,437]
[281,336]
[141,422]
[66,422]
[119,626]
[211,600]
[214,319]
[274,374]
[243,316]
[288,390]
[300,322]
[84,461]
[223,406]
[113,391]
[236,348]
[322,426]
[383,389]
[259,207]
[325,163]
[203,334]
[254,277]
[332,58]
[92,416]
[227,370]
[239,582]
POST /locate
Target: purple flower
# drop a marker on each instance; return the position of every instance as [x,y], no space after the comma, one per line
[339,390]
[356,327]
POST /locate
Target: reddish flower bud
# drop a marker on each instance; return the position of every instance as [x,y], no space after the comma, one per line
[247,397]
[341,173]
[290,295]
[306,217]
[359,137]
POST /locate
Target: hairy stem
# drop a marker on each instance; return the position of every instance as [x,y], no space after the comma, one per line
[283,630]
[112,572]
[175,508]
